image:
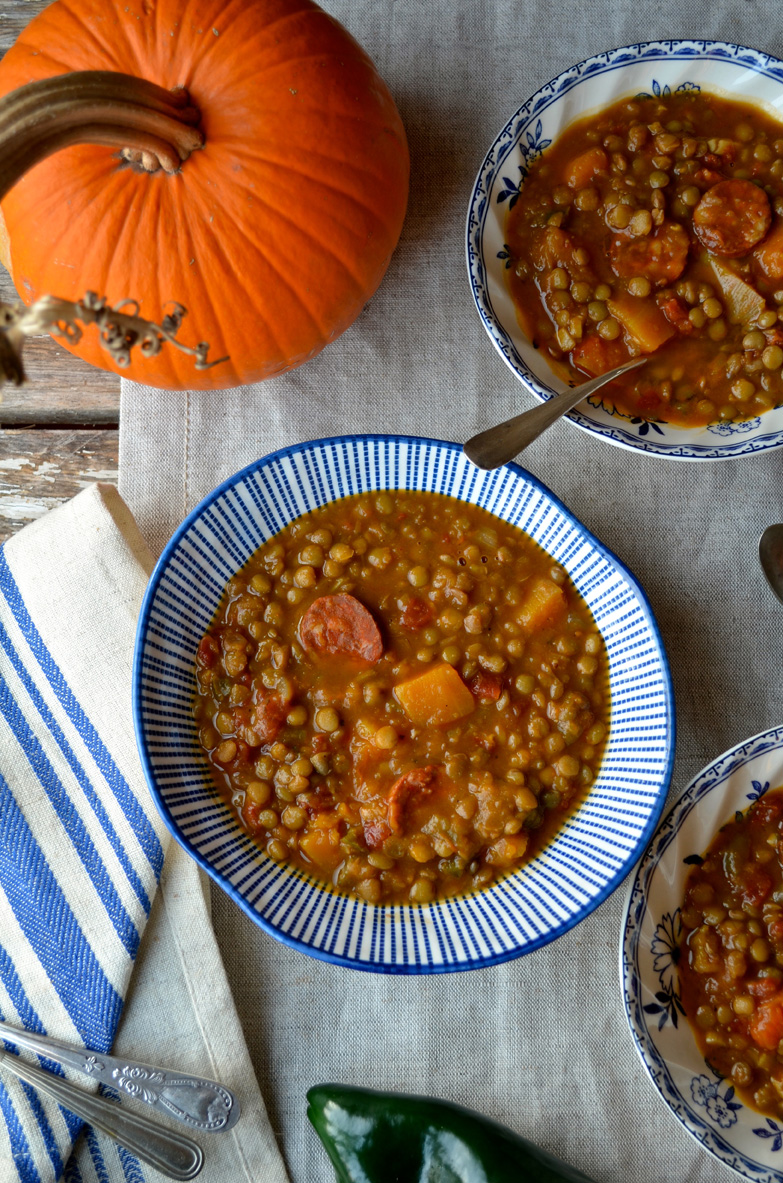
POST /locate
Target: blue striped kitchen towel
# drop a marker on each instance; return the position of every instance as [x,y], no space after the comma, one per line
[81,849]
[81,855]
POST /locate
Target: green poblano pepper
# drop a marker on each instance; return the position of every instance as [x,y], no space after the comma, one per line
[375,1137]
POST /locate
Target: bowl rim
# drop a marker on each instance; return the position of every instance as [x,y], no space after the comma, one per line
[656,1067]
[703,50]
[271,929]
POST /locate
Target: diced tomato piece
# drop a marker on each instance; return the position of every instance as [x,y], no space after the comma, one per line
[676,312]
[712,161]
[650,401]
[269,714]
[416,613]
[375,833]
[486,686]
[756,886]
[762,987]
[596,356]
[250,814]
[208,652]
[766,1025]
[769,810]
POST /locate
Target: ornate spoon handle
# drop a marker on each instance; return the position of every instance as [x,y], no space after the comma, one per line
[202,1104]
[170,1153]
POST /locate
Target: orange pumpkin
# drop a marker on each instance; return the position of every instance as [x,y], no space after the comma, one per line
[273,235]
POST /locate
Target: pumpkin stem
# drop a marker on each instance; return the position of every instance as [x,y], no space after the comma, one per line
[153,127]
[121,330]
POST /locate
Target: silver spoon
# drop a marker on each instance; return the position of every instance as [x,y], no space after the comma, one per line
[771,557]
[498,445]
[203,1105]
[167,1151]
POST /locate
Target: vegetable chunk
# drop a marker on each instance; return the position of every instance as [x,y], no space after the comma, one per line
[769,255]
[642,320]
[436,697]
[583,168]
[543,604]
[743,303]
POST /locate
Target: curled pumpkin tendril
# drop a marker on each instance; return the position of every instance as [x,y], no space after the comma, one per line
[120,326]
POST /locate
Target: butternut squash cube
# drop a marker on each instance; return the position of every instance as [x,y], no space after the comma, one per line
[582,169]
[542,605]
[320,850]
[642,319]
[436,697]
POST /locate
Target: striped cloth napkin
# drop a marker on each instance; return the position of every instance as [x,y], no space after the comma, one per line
[82,870]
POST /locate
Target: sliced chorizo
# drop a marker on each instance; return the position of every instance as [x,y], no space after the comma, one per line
[732,217]
[417,780]
[341,626]
[661,256]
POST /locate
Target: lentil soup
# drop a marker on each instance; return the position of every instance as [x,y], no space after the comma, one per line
[656,227]
[402,695]
[731,954]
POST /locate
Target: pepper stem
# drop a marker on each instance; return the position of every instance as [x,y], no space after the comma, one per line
[152,127]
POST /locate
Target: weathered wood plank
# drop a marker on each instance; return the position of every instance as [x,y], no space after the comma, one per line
[62,390]
[13,18]
[40,469]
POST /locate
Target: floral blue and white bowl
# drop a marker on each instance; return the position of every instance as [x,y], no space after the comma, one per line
[595,848]
[655,67]
[706,1105]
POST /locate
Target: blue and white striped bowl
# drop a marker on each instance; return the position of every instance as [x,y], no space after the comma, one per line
[595,847]
[702,1101]
[652,68]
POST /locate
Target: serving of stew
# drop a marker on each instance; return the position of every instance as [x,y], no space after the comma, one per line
[731,955]
[402,695]
[656,227]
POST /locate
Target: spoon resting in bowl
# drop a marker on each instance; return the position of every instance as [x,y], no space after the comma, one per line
[497,445]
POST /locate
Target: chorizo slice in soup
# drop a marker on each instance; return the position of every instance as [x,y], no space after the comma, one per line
[341,626]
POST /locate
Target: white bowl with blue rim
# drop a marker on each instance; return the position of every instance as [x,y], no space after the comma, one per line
[652,68]
[594,849]
[704,1103]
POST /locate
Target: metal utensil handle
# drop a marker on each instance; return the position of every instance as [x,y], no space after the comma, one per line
[491,448]
[202,1104]
[167,1151]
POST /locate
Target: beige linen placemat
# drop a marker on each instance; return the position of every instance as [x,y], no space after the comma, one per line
[541,1043]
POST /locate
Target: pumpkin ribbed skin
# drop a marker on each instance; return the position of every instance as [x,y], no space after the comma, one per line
[273,236]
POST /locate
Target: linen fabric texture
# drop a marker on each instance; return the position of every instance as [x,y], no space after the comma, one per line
[541,1044]
[87,890]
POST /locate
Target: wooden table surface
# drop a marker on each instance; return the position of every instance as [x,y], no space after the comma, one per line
[58,433]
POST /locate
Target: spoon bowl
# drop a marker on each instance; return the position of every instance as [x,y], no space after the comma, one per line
[771,557]
[497,445]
